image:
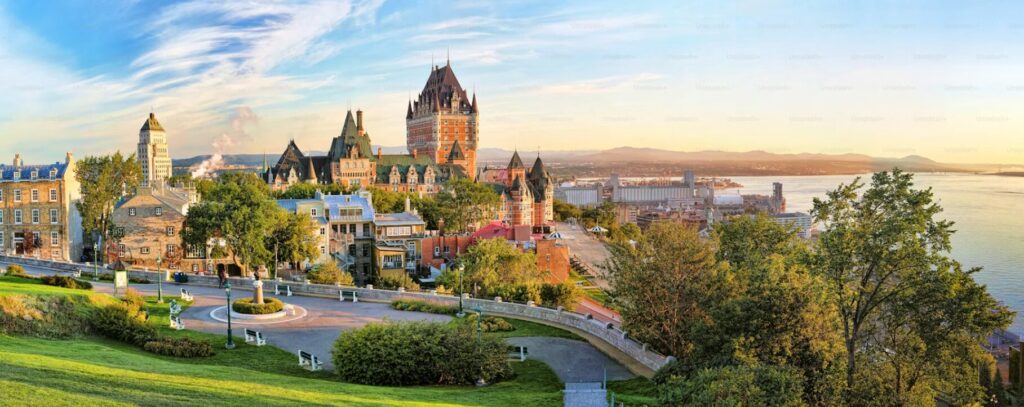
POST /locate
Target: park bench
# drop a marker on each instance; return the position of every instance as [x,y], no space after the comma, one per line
[517,353]
[277,290]
[309,361]
[255,337]
[352,294]
[186,295]
[176,322]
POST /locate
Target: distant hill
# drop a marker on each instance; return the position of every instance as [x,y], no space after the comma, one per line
[723,162]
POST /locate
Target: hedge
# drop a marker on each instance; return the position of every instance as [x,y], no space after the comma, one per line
[424,306]
[66,282]
[123,322]
[419,353]
[269,306]
[15,270]
[491,324]
[179,347]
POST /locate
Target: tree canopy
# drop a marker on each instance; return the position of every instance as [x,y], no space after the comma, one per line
[104,180]
[463,203]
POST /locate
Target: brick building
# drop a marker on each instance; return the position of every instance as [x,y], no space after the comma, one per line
[38,217]
[528,196]
[148,226]
[442,120]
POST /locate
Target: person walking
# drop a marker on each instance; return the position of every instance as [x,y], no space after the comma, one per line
[222,277]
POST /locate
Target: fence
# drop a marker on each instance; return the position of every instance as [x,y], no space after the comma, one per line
[606,332]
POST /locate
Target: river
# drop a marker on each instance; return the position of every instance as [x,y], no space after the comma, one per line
[988,211]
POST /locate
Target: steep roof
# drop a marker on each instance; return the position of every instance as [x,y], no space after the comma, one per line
[441,86]
[25,171]
[349,137]
[456,153]
[516,161]
[539,179]
[151,124]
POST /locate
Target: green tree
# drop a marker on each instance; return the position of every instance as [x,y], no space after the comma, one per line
[294,237]
[565,211]
[104,180]
[329,273]
[462,203]
[911,318]
[735,386]
[238,209]
[656,285]
[565,294]
[495,267]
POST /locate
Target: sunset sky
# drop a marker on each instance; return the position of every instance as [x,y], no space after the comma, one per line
[942,80]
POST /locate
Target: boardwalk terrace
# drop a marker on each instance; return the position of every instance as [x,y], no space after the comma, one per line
[38,217]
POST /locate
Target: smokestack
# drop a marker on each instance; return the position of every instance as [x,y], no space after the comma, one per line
[17,160]
[68,158]
[359,122]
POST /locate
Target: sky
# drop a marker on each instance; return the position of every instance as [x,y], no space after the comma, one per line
[889,79]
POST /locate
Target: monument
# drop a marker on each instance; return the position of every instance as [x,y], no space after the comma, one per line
[257,285]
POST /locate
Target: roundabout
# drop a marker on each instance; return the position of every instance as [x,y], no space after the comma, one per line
[220,314]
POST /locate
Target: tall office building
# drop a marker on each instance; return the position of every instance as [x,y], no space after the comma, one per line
[152,153]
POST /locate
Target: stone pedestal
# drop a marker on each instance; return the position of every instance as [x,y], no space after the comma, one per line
[257,297]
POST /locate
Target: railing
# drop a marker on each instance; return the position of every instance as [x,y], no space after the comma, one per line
[606,332]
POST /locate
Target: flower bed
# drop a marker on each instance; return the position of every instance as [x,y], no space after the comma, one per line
[269,306]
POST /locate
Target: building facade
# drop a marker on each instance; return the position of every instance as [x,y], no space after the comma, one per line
[344,230]
[527,196]
[152,151]
[148,226]
[399,238]
[38,217]
[442,120]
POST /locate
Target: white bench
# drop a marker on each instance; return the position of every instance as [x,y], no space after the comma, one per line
[186,295]
[176,323]
[255,337]
[277,290]
[309,361]
[517,353]
[341,296]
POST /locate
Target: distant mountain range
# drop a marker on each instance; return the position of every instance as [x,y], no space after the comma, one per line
[727,163]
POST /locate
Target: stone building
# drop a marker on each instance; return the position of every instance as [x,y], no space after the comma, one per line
[528,196]
[152,151]
[442,120]
[350,162]
[398,246]
[38,217]
[345,229]
[148,226]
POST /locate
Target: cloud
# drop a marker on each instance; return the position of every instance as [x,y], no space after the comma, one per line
[603,85]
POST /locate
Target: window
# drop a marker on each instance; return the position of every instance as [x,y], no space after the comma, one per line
[35,216]
[366,229]
[121,248]
[170,231]
[35,239]
[171,248]
[17,216]
[1,195]
[54,239]
[53,194]
[17,174]
[312,212]
[54,216]
[144,250]
[1,239]
[53,173]
[437,251]
[195,267]
[34,174]
[131,211]
[446,251]
[35,195]
[323,231]
[158,211]
[1,218]
[323,250]
[366,250]
[17,194]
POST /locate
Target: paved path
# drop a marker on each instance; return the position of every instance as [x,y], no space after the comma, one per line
[572,361]
[587,248]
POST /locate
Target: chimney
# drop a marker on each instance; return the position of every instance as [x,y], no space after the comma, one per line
[68,158]
[17,160]
[408,205]
[359,122]
[379,153]
[413,153]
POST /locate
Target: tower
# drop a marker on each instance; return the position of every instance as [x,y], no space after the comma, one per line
[442,115]
[152,151]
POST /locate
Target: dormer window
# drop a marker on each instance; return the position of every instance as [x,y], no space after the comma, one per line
[35,174]
[17,174]
[53,173]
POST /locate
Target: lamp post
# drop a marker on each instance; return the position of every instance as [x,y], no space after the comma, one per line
[460,268]
[159,283]
[95,258]
[227,291]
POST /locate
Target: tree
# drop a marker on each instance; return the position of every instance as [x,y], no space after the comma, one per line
[329,273]
[735,386]
[238,209]
[294,237]
[305,190]
[565,294]
[565,211]
[495,267]
[104,180]
[463,203]
[911,318]
[656,285]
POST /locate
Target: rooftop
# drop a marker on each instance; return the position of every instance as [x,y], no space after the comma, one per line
[395,219]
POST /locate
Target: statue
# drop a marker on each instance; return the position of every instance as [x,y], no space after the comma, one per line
[257,285]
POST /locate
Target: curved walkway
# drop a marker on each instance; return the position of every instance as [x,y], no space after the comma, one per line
[572,361]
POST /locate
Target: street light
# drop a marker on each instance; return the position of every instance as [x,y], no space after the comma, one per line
[95,258]
[460,268]
[159,283]
[227,290]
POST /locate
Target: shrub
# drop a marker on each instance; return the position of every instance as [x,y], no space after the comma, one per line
[491,324]
[517,293]
[329,273]
[133,298]
[566,295]
[424,306]
[269,306]
[122,322]
[42,316]
[179,347]
[15,270]
[419,353]
[735,385]
[392,283]
[66,282]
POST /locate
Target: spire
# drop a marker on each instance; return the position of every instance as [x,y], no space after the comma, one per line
[475,109]
[516,161]
[408,114]
[264,161]
[538,169]
[151,124]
